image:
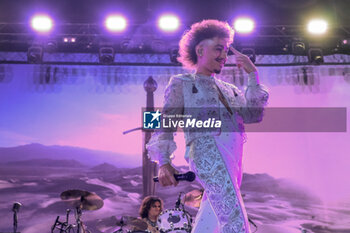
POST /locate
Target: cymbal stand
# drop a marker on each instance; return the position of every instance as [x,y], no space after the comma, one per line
[188,217]
[63,227]
[120,230]
[78,213]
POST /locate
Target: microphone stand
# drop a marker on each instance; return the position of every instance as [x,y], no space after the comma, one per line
[15,221]
[15,210]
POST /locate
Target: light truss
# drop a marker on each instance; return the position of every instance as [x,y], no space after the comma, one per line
[145,38]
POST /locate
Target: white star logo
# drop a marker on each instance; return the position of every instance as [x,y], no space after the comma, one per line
[156,115]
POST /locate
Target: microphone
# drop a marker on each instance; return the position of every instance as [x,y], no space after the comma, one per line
[189,176]
[16,206]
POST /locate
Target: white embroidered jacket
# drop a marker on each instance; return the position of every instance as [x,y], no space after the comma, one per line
[196,95]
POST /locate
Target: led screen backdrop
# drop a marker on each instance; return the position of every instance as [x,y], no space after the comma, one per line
[61,127]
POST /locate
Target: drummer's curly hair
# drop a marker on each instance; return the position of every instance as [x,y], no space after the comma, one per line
[200,31]
[146,204]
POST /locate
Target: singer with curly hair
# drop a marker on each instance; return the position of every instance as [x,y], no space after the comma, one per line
[214,155]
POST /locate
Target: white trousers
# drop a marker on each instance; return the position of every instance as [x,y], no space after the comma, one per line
[219,172]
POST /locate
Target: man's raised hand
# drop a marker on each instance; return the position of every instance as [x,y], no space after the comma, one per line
[243,61]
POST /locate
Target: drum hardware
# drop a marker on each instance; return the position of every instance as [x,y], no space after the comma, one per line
[63,227]
[121,224]
[134,223]
[176,220]
[124,223]
[80,200]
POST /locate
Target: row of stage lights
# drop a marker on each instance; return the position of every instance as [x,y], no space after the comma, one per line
[170,23]
[43,23]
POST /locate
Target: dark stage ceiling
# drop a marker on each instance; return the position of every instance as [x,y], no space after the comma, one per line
[278,23]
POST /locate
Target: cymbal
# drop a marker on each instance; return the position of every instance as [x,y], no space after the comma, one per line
[82,199]
[139,224]
[106,223]
[193,198]
[127,222]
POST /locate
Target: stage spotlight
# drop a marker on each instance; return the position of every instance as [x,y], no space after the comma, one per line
[174,54]
[106,55]
[41,23]
[315,56]
[51,46]
[35,54]
[317,26]
[115,23]
[345,43]
[69,39]
[298,48]
[343,46]
[168,23]
[250,53]
[244,25]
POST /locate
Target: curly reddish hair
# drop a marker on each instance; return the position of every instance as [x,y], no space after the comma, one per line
[200,31]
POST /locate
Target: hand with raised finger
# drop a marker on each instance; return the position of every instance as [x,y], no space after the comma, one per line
[243,61]
[166,175]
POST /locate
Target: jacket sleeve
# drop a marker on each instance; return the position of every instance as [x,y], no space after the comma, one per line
[161,145]
[252,103]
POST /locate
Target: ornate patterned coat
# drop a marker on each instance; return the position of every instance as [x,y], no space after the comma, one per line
[198,96]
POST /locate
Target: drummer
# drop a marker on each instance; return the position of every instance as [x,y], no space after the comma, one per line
[150,210]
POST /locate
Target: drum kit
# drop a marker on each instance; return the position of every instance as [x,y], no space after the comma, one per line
[176,220]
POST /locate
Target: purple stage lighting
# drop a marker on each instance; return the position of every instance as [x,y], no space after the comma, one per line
[243,25]
[116,23]
[168,22]
[41,23]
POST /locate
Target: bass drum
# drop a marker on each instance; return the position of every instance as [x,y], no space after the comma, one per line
[175,221]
